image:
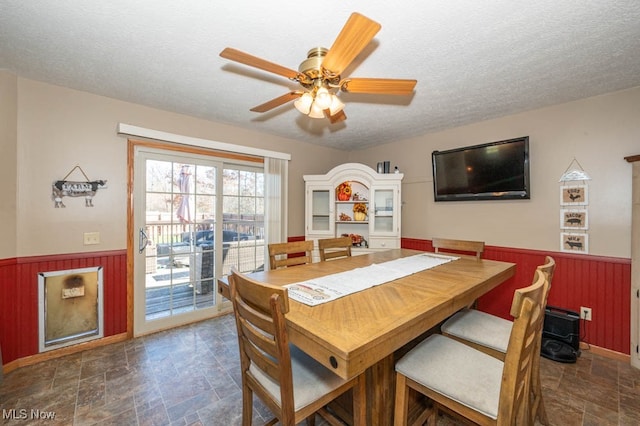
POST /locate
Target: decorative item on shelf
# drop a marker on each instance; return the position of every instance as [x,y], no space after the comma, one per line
[343,191]
[358,197]
[360,211]
[356,240]
[383,167]
[344,217]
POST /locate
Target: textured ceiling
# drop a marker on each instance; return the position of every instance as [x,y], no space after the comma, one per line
[473,60]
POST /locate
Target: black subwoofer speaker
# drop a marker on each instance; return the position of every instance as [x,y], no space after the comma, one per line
[561,335]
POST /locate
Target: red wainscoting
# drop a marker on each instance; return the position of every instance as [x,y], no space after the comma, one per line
[600,283]
[19,296]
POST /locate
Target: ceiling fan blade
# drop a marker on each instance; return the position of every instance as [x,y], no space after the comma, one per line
[273,103]
[254,61]
[337,117]
[354,36]
[383,86]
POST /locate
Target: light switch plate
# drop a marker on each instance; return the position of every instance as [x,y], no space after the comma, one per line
[91,238]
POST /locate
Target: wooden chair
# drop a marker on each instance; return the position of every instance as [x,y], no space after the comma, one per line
[470,383]
[476,247]
[292,384]
[288,254]
[490,334]
[331,248]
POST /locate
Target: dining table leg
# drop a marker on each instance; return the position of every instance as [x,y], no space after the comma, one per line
[381,388]
[380,380]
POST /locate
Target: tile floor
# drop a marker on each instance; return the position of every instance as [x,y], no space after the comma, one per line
[190,375]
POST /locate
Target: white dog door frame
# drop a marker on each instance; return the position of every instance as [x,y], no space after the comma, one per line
[70,307]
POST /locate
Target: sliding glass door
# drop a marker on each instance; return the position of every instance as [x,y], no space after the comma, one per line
[195,217]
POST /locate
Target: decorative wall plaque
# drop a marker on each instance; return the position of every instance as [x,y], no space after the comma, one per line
[576,243]
[574,195]
[68,188]
[574,219]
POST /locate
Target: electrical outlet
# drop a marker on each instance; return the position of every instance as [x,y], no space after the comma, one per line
[585,313]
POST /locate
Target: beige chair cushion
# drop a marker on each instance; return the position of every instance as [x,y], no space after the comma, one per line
[479,327]
[311,380]
[456,371]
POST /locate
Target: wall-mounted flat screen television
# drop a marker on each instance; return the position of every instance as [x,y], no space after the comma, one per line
[491,171]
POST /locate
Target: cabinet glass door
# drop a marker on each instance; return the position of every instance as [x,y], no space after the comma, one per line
[320,210]
[384,211]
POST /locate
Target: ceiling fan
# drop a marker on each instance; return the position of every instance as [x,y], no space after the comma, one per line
[320,77]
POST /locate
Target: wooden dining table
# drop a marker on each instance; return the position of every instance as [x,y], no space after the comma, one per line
[361,332]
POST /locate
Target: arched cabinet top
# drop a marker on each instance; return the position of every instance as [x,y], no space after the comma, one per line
[354,172]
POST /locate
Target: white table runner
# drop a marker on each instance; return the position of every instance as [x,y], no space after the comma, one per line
[330,287]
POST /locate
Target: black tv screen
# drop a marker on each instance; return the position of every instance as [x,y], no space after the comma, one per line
[491,171]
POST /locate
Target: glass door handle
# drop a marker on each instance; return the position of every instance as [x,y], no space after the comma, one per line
[143,240]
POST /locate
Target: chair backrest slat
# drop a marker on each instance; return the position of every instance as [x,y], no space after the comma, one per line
[290,254]
[257,332]
[476,247]
[332,248]
[269,365]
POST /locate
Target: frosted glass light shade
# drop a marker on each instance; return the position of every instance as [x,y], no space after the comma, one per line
[316,111]
[303,103]
[336,105]
[323,98]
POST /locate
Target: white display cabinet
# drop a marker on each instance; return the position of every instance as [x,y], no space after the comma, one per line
[353,199]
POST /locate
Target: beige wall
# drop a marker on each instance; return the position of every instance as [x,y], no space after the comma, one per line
[599,132]
[8,166]
[59,128]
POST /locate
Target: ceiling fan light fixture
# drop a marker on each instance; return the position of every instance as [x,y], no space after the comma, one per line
[323,98]
[336,105]
[303,103]
[314,104]
[316,111]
